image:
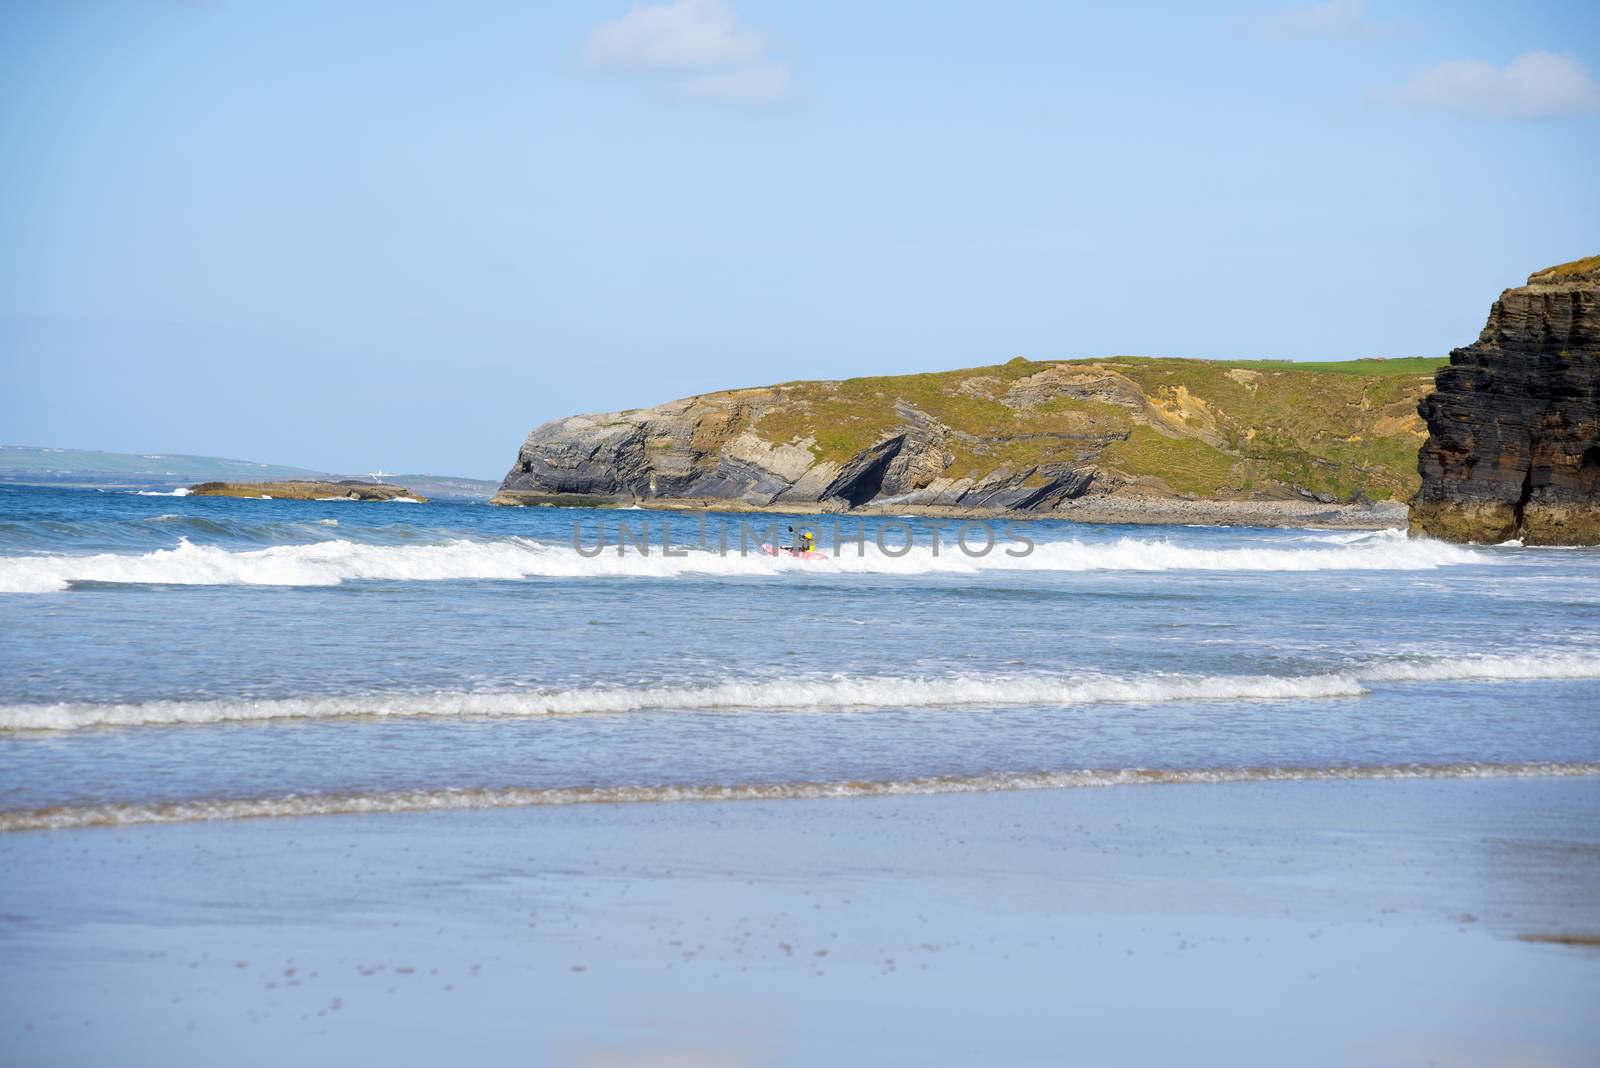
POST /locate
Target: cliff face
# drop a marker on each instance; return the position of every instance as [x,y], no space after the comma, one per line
[1513,447]
[1028,436]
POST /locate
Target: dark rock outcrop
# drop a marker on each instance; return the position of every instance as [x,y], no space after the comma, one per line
[1513,447]
[303,490]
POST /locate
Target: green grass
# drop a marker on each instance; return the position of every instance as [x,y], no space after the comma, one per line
[1371,367]
[846,417]
[1587,265]
[1188,465]
[1343,428]
[1368,368]
[1328,431]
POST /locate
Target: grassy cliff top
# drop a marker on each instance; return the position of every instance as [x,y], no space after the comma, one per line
[1376,366]
[1589,265]
[1206,428]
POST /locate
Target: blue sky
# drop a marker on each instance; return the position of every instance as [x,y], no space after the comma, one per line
[344,235]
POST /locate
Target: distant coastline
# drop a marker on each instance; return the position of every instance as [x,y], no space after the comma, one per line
[27,465]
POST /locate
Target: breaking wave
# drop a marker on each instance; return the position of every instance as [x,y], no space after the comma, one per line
[328,563]
[822,693]
[392,801]
[1355,537]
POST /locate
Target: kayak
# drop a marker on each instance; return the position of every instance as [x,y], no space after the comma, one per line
[789,550]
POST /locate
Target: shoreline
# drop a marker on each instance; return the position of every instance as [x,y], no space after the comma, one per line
[121,814]
[1103,511]
[1452,917]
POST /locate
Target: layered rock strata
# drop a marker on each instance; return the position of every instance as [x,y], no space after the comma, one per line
[1513,447]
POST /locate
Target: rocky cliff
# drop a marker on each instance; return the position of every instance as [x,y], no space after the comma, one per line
[1022,436]
[1513,447]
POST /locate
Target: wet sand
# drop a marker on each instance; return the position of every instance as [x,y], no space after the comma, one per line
[1301,923]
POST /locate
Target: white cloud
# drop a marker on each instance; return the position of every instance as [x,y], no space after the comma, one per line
[695,49]
[683,35]
[1533,85]
[1333,18]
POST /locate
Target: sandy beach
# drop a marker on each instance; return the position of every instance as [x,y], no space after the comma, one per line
[1265,923]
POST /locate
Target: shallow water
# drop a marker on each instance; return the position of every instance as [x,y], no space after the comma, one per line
[1321,923]
[193,658]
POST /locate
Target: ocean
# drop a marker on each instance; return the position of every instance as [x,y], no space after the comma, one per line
[334,783]
[173,658]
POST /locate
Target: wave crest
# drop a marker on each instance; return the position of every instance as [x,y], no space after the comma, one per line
[328,563]
[819,693]
[835,693]
[294,805]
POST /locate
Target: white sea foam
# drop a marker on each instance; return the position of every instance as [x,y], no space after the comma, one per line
[325,563]
[331,562]
[181,491]
[1484,667]
[819,693]
[1134,554]
[443,800]
[1356,537]
[815,693]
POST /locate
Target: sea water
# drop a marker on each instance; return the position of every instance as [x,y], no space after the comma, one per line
[174,658]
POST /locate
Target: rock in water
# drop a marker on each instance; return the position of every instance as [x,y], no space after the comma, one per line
[1513,447]
[349,489]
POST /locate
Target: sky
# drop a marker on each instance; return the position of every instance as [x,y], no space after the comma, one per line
[356,235]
